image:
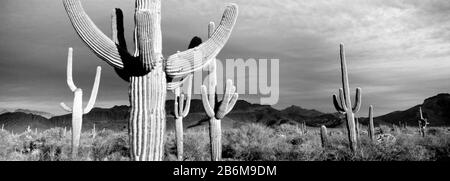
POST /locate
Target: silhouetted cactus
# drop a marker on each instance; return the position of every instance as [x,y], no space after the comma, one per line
[149,74]
[371,126]
[344,105]
[77,108]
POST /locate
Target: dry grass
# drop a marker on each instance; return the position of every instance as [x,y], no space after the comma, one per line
[247,143]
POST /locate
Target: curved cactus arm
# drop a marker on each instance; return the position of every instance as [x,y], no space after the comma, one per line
[188,96]
[65,107]
[337,106]
[209,110]
[357,105]
[232,102]
[191,60]
[117,30]
[342,99]
[70,83]
[176,84]
[99,43]
[227,96]
[94,91]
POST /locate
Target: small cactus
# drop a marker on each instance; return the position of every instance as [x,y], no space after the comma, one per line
[422,123]
[371,130]
[77,110]
[182,104]
[324,136]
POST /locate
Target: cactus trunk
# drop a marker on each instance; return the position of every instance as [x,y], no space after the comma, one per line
[147,116]
[179,135]
[324,136]
[371,126]
[215,135]
[77,121]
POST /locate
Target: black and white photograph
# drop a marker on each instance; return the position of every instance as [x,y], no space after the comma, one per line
[233,81]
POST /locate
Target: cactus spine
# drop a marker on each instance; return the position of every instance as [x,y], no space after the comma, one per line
[77,110]
[215,110]
[147,71]
[181,110]
[324,136]
[344,105]
[371,126]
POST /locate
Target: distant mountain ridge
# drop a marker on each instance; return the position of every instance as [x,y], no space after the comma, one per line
[435,108]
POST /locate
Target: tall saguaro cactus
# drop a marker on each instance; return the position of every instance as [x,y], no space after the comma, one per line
[215,110]
[344,105]
[149,73]
[181,110]
[77,108]
[371,126]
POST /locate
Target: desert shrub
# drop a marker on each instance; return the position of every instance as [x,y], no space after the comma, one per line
[196,146]
[250,142]
[110,146]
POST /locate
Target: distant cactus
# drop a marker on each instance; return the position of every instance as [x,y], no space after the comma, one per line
[215,110]
[3,125]
[77,110]
[371,130]
[422,123]
[344,105]
[94,132]
[324,136]
[182,105]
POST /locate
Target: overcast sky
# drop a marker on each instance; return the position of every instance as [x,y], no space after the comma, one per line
[398,51]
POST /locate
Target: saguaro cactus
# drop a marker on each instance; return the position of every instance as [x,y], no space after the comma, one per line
[147,71]
[371,130]
[422,123]
[181,110]
[345,106]
[77,108]
[324,136]
[215,110]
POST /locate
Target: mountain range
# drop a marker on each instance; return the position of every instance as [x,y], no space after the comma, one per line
[436,109]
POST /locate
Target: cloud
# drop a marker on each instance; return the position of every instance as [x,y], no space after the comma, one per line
[397,50]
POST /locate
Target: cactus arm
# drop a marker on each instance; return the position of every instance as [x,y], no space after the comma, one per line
[65,107]
[232,102]
[337,106]
[225,104]
[342,99]
[176,102]
[191,60]
[209,110]
[117,29]
[99,43]
[357,105]
[94,91]
[70,83]
[420,113]
[188,96]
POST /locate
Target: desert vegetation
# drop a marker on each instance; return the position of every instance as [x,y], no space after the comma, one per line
[250,142]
